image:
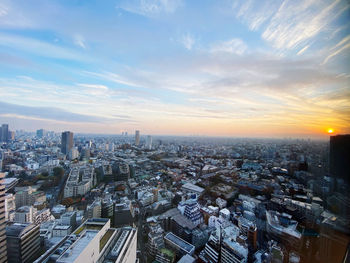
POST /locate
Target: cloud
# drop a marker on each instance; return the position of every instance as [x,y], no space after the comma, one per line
[187,41]
[255,13]
[39,48]
[289,24]
[150,8]
[114,78]
[301,51]
[79,41]
[49,113]
[338,48]
[234,46]
[296,22]
[93,86]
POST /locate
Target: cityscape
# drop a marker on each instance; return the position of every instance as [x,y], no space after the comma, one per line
[165,131]
[139,198]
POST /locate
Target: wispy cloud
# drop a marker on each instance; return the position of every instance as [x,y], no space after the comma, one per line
[235,46]
[38,47]
[150,7]
[93,86]
[49,113]
[187,41]
[79,41]
[338,48]
[294,23]
[301,51]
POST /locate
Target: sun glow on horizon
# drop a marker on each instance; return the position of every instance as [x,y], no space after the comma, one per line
[330,130]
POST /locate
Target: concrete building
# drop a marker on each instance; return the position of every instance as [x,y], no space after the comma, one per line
[79,182]
[25,214]
[40,133]
[137,138]
[10,207]
[233,252]
[73,153]
[94,210]
[178,244]
[23,242]
[4,133]
[149,142]
[339,156]
[3,253]
[94,241]
[69,218]
[192,211]
[66,142]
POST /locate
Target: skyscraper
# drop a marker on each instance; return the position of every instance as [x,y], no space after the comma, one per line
[5,132]
[66,142]
[3,248]
[149,142]
[137,138]
[40,133]
[339,157]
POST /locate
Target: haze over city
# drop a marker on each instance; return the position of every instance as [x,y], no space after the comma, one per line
[227,68]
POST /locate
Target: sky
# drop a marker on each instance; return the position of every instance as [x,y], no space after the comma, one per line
[247,68]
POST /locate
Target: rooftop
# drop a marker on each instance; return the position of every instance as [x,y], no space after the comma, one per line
[180,242]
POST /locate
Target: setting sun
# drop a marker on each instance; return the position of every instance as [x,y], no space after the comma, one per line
[330,130]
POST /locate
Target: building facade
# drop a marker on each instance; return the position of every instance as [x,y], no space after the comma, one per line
[66,142]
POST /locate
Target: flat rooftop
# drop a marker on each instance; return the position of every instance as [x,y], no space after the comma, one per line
[75,250]
[180,242]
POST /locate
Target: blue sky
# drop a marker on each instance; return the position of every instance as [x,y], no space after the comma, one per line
[226,68]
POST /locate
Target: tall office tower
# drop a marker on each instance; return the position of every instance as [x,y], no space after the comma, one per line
[137,138]
[149,142]
[4,132]
[3,249]
[66,142]
[23,242]
[339,157]
[11,135]
[40,133]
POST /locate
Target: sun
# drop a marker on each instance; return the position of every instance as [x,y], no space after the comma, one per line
[330,130]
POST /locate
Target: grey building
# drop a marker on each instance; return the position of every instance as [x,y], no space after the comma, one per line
[66,142]
[339,157]
[137,138]
[3,254]
[4,132]
[40,133]
[23,242]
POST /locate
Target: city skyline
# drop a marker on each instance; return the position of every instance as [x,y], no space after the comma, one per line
[233,68]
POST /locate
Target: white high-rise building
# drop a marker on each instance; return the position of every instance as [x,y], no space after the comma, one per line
[137,138]
[149,142]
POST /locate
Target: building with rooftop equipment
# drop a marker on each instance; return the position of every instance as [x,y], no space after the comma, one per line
[94,241]
[280,226]
[181,246]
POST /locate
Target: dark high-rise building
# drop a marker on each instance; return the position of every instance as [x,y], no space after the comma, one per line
[23,242]
[339,157]
[3,250]
[40,133]
[5,132]
[66,142]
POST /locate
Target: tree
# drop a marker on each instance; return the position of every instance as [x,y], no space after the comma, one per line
[23,175]
[58,171]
